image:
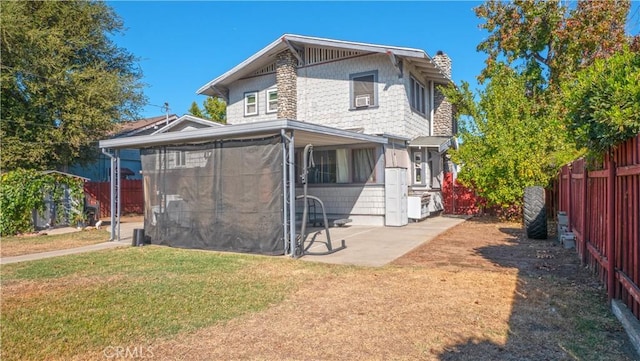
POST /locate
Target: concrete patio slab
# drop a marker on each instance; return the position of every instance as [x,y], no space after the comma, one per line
[366,245]
[378,246]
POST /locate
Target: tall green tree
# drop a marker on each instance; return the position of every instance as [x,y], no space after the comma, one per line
[195,110]
[509,138]
[517,132]
[65,83]
[215,109]
[551,38]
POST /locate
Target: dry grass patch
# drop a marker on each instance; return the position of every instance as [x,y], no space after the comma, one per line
[26,244]
[481,291]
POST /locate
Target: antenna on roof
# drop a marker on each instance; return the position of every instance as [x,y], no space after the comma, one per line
[165,107]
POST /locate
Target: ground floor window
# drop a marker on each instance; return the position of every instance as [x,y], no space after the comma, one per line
[341,166]
[427,168]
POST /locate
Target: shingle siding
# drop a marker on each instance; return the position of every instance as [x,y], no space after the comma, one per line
[324,95]
[235,107]
[350,200]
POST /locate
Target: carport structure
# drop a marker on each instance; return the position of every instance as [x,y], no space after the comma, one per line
[230,188]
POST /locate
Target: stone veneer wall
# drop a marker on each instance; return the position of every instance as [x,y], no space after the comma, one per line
[443,110]
[442,115]
[287,80]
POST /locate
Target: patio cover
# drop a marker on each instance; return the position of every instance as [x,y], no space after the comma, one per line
[242,198]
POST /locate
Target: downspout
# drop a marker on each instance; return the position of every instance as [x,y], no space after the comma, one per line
[431,110]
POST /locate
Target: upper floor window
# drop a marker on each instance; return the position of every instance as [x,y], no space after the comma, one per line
[364,92]
[272,100]
[418,97]
[251,103]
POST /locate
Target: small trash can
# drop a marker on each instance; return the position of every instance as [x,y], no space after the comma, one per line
[138,237]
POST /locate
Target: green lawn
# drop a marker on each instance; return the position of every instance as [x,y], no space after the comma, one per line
[55,307]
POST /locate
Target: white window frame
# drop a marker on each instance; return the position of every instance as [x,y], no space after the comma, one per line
[418,96]
[180,158]
[269,102]
[247,104]
[418,165]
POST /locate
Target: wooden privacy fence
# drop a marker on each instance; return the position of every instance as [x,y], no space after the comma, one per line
[98,195]
[457,198]
[603,207]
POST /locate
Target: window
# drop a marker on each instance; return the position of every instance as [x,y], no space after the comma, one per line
[364,165]
[180,158]
[340,166]
[324,170]
[251,103]
[272,100]
[363,90]
[417,98]
[417,168]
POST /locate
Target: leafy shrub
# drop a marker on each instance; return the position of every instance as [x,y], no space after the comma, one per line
[603,102]
[23,191]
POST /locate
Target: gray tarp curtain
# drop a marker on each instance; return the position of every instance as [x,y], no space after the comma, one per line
[222,195]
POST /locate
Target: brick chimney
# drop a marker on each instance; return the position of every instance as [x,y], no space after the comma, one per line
[286,80]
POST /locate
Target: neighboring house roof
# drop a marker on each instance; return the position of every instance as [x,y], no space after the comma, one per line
[132,128]
[419,58]
[65,174]
[304,133]
[188,121]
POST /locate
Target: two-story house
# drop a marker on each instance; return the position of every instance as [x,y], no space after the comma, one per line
[373,113]
[371,89]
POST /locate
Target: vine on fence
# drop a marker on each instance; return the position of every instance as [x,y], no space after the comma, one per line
[22,191]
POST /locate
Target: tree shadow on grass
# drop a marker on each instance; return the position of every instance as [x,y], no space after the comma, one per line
[559,309]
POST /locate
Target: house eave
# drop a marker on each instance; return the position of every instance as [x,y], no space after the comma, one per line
[433,142]
[310,132]
[418,57]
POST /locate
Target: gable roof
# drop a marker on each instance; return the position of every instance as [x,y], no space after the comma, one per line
[184,120]
[419,58]
[132,128]
[84,179]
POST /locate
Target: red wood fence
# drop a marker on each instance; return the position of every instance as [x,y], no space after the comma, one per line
[457,198]
[603,207]
[98,195]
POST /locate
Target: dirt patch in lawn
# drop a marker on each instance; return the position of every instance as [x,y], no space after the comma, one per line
[480,291]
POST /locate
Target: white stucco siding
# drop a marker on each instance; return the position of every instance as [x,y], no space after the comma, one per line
[324,95]
[235,107]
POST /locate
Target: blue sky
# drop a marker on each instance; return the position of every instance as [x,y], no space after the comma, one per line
[183,45]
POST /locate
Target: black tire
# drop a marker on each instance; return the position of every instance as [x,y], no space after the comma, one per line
[535,213]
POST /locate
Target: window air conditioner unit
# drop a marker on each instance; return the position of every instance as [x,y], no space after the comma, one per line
[362,101]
